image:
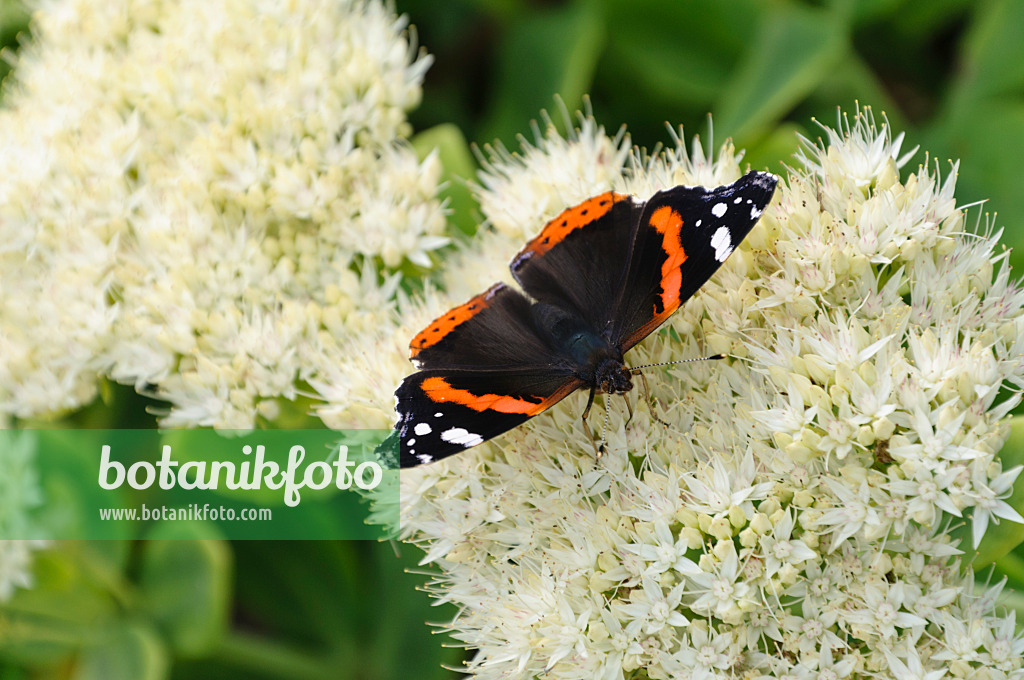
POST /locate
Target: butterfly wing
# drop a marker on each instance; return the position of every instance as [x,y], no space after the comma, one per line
[578,260]
[486,369]
[442,412]
[682,237]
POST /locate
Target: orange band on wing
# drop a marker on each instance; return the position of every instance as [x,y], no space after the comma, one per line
[445,324]
[569,220]
[439,390]
[669,223]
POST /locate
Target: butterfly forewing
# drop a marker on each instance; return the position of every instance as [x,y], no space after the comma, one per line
[578,260]
[682,238]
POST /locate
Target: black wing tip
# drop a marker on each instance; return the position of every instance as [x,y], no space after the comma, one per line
[760,179]
[755,180]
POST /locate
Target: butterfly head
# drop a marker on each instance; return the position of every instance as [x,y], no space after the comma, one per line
[613,377]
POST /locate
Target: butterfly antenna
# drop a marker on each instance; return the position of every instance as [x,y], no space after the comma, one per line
[604,425]
[714,357]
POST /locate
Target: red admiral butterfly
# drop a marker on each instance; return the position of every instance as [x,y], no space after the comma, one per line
[600,278]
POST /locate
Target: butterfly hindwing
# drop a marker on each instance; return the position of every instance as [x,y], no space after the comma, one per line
[486,368]
[491,330]
[682,238]
[442,412]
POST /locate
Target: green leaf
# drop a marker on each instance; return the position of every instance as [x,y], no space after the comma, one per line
[994,51]
[679,69]
[1011,566]
[79,589]
[407,602]
[853,82]
[775,149]
[130,652]
[797,49]
[451,145]
[319,604]
[918,21]
[865,11]
[543,55]
[459,168]
[13,20]
[989,138]
[351,600]
[185,584]
[982,119]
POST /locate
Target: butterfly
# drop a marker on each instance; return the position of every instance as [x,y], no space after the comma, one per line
[596,280]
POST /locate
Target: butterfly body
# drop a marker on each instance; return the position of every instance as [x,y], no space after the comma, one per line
[592,358]
[597,279]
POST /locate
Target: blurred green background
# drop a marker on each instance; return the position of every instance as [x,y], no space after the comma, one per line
[950,73]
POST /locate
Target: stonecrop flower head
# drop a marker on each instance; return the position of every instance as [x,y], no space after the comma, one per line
[793,518]
[198,196]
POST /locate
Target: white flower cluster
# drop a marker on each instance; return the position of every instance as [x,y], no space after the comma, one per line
[792,520]
[196,195]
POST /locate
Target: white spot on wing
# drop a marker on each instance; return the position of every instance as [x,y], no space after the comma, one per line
[722,243]
[438,414]
[697,224]
[754,213]
[719,209]
[425,458]
[412,440]
[459,435]
[422,429]
[739,199]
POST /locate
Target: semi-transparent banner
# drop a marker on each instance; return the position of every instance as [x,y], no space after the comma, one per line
[263,484]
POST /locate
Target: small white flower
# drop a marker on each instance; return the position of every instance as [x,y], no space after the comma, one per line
[722,591]
[988,494]
[654,607]
[882,612]
[911,667]
[668,552]
[780,548]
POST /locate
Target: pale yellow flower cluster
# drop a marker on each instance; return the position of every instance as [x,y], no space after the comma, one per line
[791,520]
[195,196]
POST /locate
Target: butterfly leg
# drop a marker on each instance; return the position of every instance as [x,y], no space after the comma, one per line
[629,408]
[586,427]
[647,397]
